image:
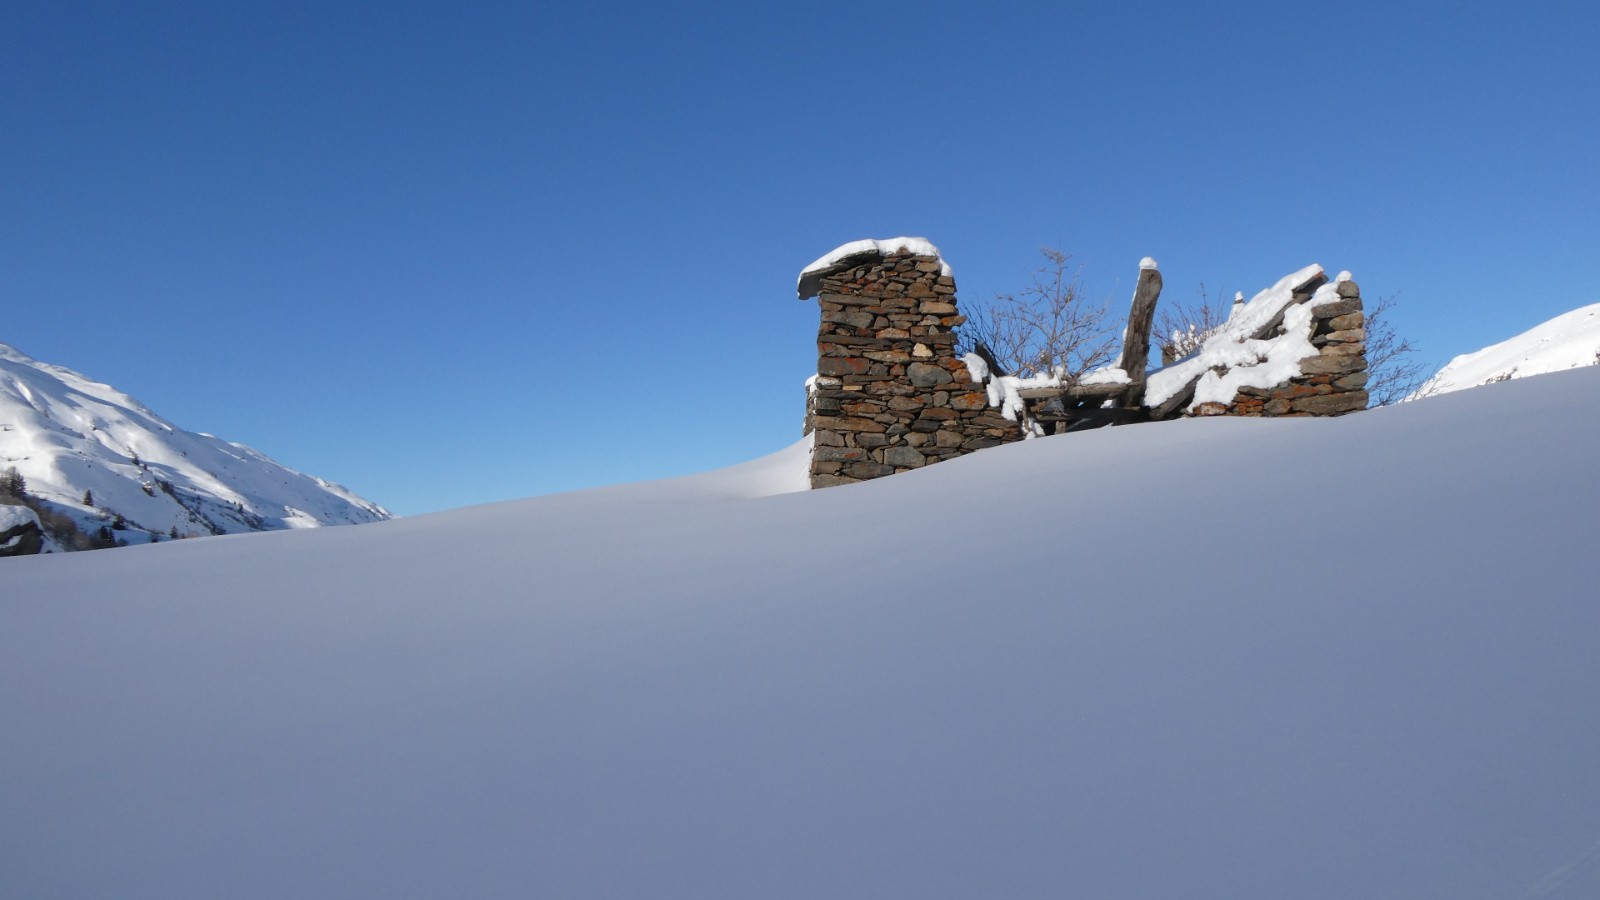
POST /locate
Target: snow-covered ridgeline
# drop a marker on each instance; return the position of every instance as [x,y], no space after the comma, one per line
[102,457]
[1568,341]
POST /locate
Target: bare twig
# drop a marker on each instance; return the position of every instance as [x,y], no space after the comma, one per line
[1048,329]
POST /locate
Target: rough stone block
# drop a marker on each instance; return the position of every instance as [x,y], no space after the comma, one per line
[1332,404]
[926,376]
[888,356]
[904,457]
[868,470]
[855,318]
[1356,349]
[970,400]
[861,407]
[839,454]
[833,423]
[1336,309]
[1325,364]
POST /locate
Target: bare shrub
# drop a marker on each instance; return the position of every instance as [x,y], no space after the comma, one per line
[1182,328]
[1048,329]
[1393,372]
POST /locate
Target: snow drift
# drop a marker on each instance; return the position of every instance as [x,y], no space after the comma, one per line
[1151,661]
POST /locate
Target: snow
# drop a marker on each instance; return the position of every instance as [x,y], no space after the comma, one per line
[1005,391]
[1232,347]
[807,285]
[1274,362]
[13,516]
[1568,341]
[1108,375]
[687,689]
[68,435]
[976,367]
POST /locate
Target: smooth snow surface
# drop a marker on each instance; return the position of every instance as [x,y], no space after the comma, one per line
[807,285]
[1568,341]
[1249,684]
[69,435]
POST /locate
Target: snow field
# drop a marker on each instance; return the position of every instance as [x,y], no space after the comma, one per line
[1215,658]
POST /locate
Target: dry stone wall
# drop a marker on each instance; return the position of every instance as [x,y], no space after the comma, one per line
[891,394]
[1332,383]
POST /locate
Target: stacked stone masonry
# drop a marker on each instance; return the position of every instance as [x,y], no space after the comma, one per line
[1332,383]
[891,394]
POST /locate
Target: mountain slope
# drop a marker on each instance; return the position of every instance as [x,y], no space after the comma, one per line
[72,439]
[1568,341]
[1213,658]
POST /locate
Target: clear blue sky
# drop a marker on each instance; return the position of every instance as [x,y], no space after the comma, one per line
[453,253]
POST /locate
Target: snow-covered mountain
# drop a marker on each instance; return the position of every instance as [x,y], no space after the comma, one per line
[99,456]
[1212,659]
[1568,341]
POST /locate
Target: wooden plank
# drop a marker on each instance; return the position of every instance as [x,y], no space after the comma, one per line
[1075,392]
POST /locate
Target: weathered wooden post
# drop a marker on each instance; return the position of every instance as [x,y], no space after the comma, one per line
[1136,339]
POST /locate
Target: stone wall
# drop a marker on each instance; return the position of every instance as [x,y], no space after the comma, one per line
[1332,383]
[890,393]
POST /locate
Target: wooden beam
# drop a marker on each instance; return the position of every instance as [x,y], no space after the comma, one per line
[1136,338]
[1078,392]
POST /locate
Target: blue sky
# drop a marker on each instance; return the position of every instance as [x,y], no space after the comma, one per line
[454,253]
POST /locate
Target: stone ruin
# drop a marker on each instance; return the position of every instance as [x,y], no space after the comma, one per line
[892,394]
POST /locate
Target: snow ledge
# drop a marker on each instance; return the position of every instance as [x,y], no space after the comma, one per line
[810,281]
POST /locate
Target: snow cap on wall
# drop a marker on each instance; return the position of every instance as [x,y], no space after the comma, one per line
[810,278]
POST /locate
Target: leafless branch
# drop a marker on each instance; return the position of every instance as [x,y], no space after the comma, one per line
[1049,328]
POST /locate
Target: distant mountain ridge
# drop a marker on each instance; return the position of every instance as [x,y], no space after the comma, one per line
[1568,341]
[102,458]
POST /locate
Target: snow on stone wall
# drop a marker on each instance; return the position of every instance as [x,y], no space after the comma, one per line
[890,393]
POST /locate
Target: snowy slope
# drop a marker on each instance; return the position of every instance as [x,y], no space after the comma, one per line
[1568,341]
[68,435]
[1159,661]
